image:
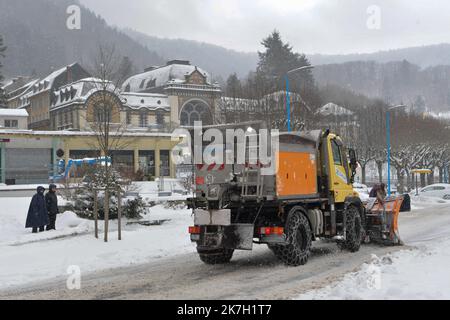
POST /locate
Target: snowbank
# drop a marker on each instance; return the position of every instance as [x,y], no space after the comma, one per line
[421,202]
[417,273]
[13,215]
[406,275]
[27,257]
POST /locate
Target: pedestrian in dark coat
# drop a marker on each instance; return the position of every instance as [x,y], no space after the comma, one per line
[37,213]
[51,201]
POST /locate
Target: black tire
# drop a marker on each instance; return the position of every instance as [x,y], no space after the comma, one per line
[219,256]
[354,230]
[299,238]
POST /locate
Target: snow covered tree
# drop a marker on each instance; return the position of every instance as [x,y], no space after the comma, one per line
[380,159]
[3,101]
[97,180]
[419,105]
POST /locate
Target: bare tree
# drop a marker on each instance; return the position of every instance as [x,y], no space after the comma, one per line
[104,118]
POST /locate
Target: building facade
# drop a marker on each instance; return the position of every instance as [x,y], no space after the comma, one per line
[13,119]
[76,106]
[32,156]
[41,95]
[188,89]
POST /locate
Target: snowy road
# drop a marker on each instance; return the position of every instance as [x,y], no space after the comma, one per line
[251,275]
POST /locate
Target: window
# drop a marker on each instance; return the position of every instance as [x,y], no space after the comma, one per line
[151,83]
[165,163]
[11,123]
[143,119]
[147,162]
[128,117]
[336,153]
[195,111]
[160,118]
[435,188]
[103,114]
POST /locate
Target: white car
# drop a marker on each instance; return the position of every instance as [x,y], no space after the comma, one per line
[361,188]
[439,190]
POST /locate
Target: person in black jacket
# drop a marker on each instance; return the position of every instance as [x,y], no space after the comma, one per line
[37,213]
[51,201]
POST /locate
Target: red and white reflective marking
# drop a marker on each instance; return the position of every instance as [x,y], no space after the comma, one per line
[211,167]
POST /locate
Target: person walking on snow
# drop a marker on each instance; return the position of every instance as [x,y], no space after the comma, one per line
[37,213]
[51,201]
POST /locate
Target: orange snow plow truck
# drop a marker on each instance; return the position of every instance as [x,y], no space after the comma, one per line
[309,197]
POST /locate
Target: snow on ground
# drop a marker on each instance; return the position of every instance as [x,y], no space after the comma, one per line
[406,275]
[13,214]
[4,187]
[420,202]
[27,257]
[417,273]
[149,190]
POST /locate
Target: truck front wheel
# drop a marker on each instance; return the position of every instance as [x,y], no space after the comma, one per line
[299,237]
[354,228]
[219,256]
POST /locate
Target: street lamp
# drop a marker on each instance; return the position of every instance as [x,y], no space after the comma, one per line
[388,136]
[288,98]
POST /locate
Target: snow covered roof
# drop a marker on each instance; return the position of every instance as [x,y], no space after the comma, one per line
[79,91]
[275,97]
[441,115]
[13,113]
[146,100]
[173,72]
[26,89]
[47,83]
[15,84]
[334,109]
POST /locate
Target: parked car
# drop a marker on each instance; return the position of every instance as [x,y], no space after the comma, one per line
[361,188]
[438,190]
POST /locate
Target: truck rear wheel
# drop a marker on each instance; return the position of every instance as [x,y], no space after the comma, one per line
[299,237]
[354,230]
[219,256]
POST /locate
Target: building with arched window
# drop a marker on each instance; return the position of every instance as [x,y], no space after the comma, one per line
[186,89]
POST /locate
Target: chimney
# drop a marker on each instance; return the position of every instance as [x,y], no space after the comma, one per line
[69,75]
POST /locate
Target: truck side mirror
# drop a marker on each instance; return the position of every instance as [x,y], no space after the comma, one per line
[352,156]
[353,162]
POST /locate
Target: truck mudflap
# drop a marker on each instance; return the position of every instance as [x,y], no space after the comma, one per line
[234,236]
[213,230]
[382,220]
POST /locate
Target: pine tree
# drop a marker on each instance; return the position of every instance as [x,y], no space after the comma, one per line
[273,67]
[279,58]
[125,70]
[234,86]
[3,101]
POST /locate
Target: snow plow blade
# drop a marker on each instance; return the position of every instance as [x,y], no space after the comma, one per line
[382,219]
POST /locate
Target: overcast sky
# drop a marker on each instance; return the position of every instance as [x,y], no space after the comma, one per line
[311,26]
